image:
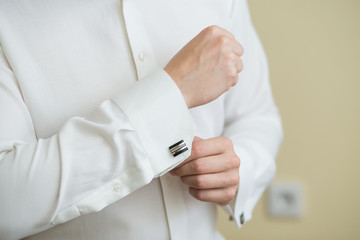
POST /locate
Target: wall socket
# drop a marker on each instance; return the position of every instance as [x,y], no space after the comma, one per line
[285,199]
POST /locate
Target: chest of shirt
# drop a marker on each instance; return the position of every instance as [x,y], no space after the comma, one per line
[69,57]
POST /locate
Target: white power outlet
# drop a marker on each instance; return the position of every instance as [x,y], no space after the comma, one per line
[285,199]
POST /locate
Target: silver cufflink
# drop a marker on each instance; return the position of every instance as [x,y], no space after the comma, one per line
[178,148]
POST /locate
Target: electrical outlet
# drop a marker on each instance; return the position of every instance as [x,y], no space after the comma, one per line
[285,199]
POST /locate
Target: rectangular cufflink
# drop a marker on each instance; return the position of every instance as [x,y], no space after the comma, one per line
[178,148]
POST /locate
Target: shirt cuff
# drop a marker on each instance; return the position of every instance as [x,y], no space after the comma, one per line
[156,108]
[237,207]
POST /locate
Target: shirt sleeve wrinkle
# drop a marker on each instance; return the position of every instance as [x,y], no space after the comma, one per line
[91,162]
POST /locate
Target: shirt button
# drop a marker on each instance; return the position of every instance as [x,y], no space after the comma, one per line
[117,187]
[141,56]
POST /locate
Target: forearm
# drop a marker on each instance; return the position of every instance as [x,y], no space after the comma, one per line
[92,161]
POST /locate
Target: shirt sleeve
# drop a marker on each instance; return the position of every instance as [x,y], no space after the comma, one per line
[92,161]
[252,120]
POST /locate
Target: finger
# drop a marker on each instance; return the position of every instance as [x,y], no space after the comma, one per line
[220,31]
[201,148]
[220,196]
[195,139]
[211,146]
[208,147]
[210,164]
[217,31]
[227,33]
[213,180]
[239,65]
[237,48]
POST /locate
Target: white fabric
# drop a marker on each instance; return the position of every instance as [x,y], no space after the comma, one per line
[83,143]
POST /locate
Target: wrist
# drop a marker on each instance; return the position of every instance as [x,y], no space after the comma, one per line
[181,87]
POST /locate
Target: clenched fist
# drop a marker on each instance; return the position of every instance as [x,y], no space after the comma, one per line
[212,170]
[207,66]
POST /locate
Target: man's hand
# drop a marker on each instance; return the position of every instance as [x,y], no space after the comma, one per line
[212,170]
[207,66]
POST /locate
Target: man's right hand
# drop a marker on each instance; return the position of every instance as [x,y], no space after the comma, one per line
[207,66]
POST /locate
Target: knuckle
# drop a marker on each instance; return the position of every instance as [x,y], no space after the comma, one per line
[198,194]
[231,82]
[212,30]
[241,66]
[198,166]
[229,194]
[233,75]
[235,161]
[233,180]
[226,142]
[202,195]
[196,149]
[229,57]
[241,50]
[222,41]
[199,182]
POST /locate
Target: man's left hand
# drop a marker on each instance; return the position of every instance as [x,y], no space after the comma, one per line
[212,170]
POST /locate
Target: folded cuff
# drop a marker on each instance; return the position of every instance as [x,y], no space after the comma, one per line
[237,207]
[158,112]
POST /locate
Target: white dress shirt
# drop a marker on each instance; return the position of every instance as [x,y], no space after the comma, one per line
[87,115]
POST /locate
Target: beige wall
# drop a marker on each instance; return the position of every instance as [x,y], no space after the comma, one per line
[313,47]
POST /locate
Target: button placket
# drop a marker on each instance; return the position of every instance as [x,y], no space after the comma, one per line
[143,55]
[146,63]
[175,208]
